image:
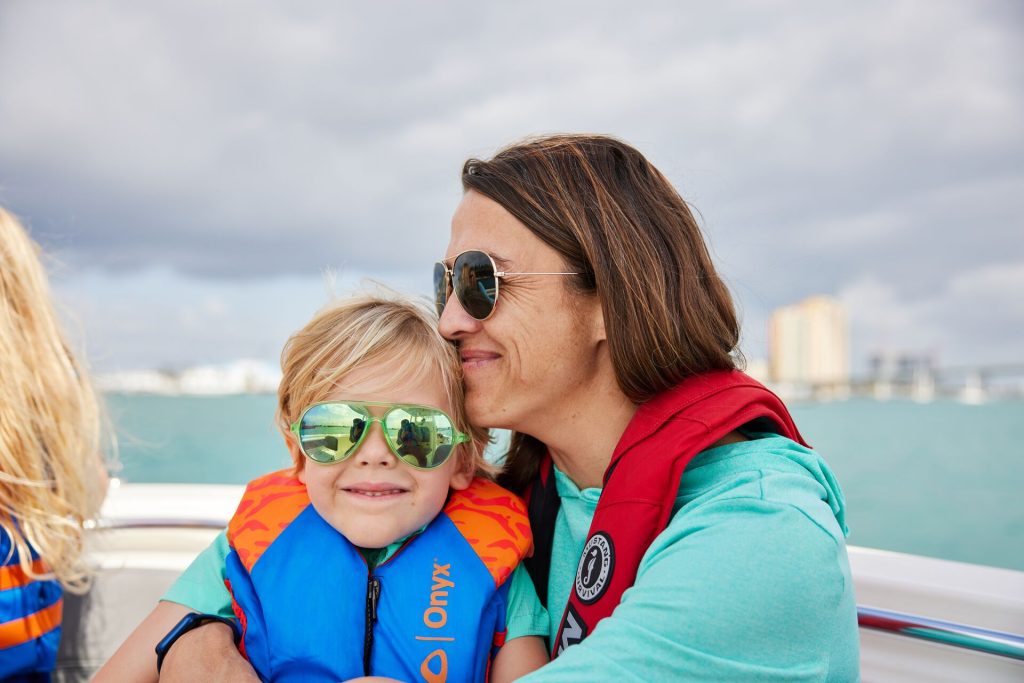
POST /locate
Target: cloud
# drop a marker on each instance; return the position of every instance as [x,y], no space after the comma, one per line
[159,318]
[825,146]
[978,309]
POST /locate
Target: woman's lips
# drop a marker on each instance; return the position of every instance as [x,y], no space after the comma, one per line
[473,359]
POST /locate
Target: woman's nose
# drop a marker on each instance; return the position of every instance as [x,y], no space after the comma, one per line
[455,323]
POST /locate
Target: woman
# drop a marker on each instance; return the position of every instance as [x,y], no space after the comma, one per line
[52,477]
[591,322]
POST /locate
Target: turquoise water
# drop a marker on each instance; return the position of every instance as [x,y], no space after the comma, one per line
[940,479]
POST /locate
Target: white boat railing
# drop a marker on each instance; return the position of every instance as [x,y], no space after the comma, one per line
[922,620]
[943,632]
[156,523]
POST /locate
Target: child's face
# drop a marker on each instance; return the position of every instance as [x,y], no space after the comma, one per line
[373,498]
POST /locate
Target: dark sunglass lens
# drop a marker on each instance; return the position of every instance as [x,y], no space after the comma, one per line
[421,436]
[328,432]
[441,286]
[475,283]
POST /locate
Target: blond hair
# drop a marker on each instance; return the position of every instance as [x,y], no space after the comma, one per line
[397,334]
[50,465]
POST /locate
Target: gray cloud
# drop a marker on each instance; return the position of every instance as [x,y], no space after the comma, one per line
[827,147]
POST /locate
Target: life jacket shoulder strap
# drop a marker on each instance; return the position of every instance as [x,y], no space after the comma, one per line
[642,480]
[543,503]
[494,522]
[269,504]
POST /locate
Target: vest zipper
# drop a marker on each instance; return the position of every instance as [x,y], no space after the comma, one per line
[372,598]
[373,588]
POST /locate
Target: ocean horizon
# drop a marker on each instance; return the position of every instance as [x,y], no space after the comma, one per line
[941,479]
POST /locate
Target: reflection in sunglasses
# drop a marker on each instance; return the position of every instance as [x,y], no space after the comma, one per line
[421,436]
[473,278]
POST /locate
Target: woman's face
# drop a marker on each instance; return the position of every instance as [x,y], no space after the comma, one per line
[537,355]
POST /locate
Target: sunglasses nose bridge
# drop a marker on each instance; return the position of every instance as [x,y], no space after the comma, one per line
[375,446]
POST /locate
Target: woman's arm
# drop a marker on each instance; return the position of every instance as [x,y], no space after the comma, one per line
[135,660]
[206,653]
[746,589]
[199,589]
[527,625]
[518,657]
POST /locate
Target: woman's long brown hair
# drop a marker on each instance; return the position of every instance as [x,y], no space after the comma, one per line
[616,220]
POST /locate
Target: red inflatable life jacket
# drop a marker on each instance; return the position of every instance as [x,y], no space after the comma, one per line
[640,487]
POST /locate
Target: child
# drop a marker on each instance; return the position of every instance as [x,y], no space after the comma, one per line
[380,553]
[52,476]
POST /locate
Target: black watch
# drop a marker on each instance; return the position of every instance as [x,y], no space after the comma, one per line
[188,622]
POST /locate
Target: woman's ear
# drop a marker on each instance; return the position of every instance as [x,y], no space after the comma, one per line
[596,312]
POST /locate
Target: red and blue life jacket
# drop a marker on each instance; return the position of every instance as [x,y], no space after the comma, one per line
[311,608]
[30,615]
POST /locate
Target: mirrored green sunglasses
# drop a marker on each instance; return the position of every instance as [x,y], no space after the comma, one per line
[421,436]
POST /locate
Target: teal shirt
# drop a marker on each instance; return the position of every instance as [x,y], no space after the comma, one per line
[749,581]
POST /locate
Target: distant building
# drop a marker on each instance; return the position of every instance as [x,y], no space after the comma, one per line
[139,382]
[903,367]
[908,373]
[809,342]
[237,377]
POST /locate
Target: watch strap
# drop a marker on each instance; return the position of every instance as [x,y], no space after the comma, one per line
[188,622]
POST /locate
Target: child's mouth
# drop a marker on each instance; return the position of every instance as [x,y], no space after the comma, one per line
[374,491]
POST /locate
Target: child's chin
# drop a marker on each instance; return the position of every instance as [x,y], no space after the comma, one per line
[371,541]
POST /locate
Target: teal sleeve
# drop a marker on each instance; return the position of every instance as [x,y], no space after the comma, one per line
[525,615]
[201,587]
[737,589]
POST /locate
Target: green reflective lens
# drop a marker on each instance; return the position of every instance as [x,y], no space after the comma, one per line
[329,432]
[421,436]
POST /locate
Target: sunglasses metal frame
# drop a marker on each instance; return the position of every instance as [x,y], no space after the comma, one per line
[457,436]
[449,281]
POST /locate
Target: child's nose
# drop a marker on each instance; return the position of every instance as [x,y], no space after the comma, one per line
[374,450]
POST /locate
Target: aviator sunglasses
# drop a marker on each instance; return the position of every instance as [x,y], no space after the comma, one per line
[420,436]
[474,279]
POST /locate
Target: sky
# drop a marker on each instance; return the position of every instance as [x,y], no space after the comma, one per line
[205,175]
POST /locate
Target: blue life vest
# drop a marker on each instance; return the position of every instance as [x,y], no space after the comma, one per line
[311,609]
[30,615]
